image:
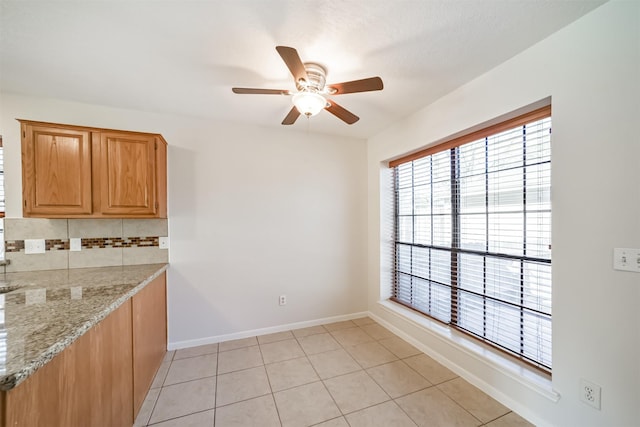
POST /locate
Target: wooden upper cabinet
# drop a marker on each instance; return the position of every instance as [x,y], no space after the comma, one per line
[56,170]
[77,172]
[127,174]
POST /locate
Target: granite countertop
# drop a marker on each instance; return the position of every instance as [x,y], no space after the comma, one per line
[49,310]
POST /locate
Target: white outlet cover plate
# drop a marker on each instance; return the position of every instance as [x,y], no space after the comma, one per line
[163,242]
[75,244]
[593,398]
[626,259]
[34,246]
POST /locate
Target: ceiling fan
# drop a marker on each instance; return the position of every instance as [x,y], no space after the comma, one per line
[312,91]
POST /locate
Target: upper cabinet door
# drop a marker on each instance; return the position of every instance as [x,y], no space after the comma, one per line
[127,163]
[56,172]
[81,172]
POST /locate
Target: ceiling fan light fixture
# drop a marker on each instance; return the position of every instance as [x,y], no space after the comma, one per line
[309,103]
[311,94]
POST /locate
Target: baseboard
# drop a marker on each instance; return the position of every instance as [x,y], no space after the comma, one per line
[177,345]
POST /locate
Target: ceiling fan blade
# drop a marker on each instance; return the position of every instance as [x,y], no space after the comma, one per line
[246,90]
[294,63]
[291,117]
[343,114]
[364,85]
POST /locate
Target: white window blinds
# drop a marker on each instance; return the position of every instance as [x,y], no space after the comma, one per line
[1,179]
[473,236]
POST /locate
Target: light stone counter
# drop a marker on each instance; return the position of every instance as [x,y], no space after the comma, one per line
[49,310]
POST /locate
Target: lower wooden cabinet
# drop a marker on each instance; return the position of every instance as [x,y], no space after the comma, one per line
[149,337]
[102,378]
[88,384]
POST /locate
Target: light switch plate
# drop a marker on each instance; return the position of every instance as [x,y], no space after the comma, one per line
[163,242]
[75,244]
[34,246]
[626,259]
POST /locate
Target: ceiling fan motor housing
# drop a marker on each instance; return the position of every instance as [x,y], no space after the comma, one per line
[317,77]
[311,96]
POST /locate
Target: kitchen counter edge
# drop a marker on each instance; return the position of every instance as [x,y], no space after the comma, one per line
[11,380]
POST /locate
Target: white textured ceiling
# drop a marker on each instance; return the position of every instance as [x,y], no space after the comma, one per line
[183,57]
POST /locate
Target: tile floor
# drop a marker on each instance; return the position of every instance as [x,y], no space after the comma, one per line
[345,374]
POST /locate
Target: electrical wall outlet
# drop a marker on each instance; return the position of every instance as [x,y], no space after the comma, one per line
[590,393]
[163,242]
[34,246]
[626,259]
[283,300]
[75,244]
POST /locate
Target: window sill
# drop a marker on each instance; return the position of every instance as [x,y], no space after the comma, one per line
[525,375]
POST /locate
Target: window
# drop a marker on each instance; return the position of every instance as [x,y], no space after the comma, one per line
[473,235]
[1,200]
[1,179]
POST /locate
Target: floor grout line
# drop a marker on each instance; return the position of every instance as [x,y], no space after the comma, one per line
[215,395]
[177,418]
[273,397]
[343,345]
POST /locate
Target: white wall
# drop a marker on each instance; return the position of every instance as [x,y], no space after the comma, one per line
[253,213]
[257,212]
[591,69]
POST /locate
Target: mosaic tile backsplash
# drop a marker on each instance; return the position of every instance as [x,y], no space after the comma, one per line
[90,243]
[104,242]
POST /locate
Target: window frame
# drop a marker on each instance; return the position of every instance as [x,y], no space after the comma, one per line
[2,189]
[451,147]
